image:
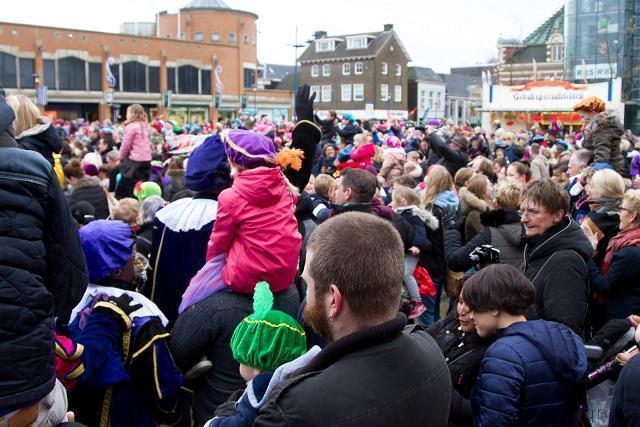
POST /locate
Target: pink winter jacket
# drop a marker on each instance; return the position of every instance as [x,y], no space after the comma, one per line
[135,142]
[256,228]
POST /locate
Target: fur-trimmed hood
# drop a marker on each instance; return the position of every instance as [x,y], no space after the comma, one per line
[87,181]
[427,217]
[397,152]
[470,201]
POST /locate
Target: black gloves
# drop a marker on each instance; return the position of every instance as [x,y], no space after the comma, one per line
[304,103]
[123,303]
[450,219]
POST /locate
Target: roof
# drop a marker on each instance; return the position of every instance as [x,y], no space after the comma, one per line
[286,83]
[424,74]
[550,26]
[206,4]
[379,40]
[276,72]
[528,53]
[459,85]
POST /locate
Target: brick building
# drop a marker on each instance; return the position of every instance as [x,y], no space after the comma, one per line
[200,64]
[364,74]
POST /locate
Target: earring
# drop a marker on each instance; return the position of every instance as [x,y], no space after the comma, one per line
[332,319]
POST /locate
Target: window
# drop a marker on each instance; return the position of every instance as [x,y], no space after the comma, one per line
[171,79]
[180,36]
[95,76]
[26,73]
[358,68]
[556,53]
[198,36]
[232,37]
[249,77]
[326,93]
[324,45]
[431,100]
[345,93]
[154,79]
[358,92]
[383,68]
[346,69]
[245,39]
[49,72]
[71,74]
[357,43]
[205,82]
[316,90]
[134,77]
[397,93]
[398,69]
[215,37]
[188,79]
[384,92]
[326,70]
[315,70]
[438,101]
[423,99]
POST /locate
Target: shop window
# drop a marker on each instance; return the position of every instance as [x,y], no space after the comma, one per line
[171,79]
[71,74]
[95,76]
[188,79]
[26,73]
[134,77]
[154,79]
[8,70]
[205,82]
[249,77]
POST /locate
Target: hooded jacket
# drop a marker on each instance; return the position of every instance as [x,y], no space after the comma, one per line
[539,168]
[41,138]
[256,228]
[392,165]
[88,189]
[602,137]
[432,257]
[530,377]
[555,262]
[421,221]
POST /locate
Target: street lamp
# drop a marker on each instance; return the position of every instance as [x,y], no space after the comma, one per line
[295,66]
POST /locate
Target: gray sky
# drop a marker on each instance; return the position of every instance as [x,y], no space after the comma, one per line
[438,34]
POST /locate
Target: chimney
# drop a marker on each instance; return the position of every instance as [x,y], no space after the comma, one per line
[388,27]
[319,34]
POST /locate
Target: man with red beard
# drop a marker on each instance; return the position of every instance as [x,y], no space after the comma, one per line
[375,371]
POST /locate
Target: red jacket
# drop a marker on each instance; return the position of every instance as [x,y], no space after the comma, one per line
[360,157]
[256,228]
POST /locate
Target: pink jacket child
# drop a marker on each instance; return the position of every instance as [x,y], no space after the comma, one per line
[135,142]
[255,235]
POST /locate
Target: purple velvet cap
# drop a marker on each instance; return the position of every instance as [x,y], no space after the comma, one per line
[249,149]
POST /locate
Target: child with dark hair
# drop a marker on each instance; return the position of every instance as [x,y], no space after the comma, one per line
[531,374]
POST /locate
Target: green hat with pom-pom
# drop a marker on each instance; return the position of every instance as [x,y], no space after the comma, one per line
[267,338]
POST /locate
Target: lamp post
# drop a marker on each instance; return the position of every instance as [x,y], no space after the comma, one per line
[295,67]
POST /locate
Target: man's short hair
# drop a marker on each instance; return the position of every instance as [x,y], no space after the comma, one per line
[535,148]
[499,287]
[584,156]
[322,184]
[363,256]
[548,194]
[363,184]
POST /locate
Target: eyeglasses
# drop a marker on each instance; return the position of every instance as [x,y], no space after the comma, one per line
[528,213]
[620,209]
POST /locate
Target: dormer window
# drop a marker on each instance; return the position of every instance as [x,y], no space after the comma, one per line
[325,45]
[357,42]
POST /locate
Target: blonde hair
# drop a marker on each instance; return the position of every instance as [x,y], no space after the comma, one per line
[127,210]
[609,183]
[360,139]
[509,136]
[27,113]
[413,156]
[322,184]
[405,193]
[438,180]
[138,113]
[632,197]
[379,156]
[508,192]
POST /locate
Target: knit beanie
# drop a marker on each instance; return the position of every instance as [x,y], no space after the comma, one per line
[142,190]
[267,338]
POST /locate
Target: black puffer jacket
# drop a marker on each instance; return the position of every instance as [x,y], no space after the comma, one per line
[463,354]
[446,156]
[43,273]
[555,262]
[88,189]
[41,138]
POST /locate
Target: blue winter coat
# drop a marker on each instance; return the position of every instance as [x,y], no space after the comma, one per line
[530,376]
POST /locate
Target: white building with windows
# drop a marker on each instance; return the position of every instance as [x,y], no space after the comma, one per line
[427,92]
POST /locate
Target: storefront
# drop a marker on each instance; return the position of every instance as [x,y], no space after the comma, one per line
[541,102]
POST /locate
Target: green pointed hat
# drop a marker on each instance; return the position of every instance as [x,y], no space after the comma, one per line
[267,338]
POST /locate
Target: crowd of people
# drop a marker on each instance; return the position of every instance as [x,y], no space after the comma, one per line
[331,271]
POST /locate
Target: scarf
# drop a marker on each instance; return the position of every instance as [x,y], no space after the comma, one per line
[629,237]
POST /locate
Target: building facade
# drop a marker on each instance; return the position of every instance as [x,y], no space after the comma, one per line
[363,74]
[177,72]
[463,98]
[426,95]
[540,56]
[602,43]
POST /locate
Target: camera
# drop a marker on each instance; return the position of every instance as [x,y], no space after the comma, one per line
[485,254]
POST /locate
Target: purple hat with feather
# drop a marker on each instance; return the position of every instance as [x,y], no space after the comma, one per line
[249,149]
